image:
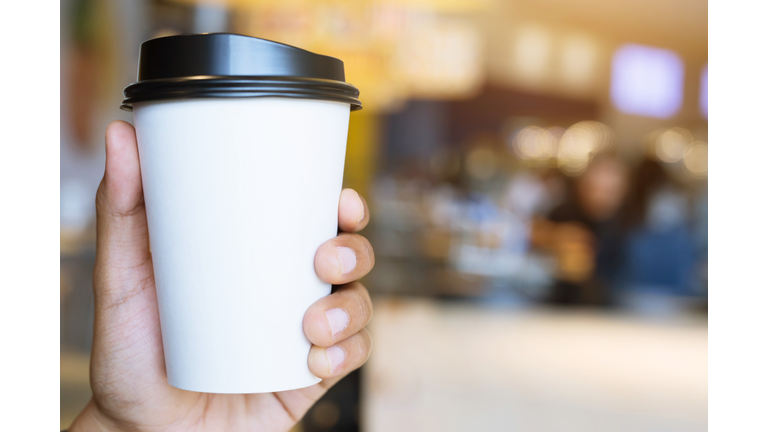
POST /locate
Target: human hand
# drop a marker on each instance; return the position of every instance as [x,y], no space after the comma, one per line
[128,378]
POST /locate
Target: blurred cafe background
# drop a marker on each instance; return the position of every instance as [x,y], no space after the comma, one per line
[537,176]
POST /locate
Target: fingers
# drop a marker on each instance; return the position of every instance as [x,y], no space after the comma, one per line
[343,259]
[122,235]
[353,211]
[338,316]
[331,362]
[341,358]
[335,326]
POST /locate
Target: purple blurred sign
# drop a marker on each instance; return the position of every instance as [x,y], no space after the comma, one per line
[647,81]
[704,92]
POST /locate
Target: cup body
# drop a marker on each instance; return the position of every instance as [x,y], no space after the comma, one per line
[239,194]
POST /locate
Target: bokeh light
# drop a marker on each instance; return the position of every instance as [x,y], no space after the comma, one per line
[580,143]
[671,144]
[696,158]
[536,143]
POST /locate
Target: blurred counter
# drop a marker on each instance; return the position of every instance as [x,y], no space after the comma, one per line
[456,366]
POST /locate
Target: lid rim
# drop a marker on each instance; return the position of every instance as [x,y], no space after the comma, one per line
[128,104]
[243,79]
[240,87]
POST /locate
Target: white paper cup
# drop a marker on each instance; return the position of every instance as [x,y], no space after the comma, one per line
[240,193]
[241,143]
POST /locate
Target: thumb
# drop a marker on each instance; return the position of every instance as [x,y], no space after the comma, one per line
[122,235]
[126,359]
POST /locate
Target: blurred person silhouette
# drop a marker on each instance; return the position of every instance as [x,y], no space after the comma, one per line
[660,248]
[585,235]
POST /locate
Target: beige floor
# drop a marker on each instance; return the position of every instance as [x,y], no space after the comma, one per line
[457,368]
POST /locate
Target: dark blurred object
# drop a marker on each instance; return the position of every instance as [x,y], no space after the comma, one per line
[338,410]
[648,178]
[488,111]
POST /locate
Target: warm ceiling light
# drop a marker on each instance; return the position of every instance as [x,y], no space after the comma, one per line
[441,59]
[532,52]
[578,58]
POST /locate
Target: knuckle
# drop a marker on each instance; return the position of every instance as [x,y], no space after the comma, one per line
[368,344]
[366,299]
[363,306]
[368,251]
[316,328]
[363,345]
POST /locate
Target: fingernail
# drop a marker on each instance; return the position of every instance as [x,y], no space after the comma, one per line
[335,356]
[338,319]
[348,259]
[362,208]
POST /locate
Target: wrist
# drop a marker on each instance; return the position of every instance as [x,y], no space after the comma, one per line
[91,419]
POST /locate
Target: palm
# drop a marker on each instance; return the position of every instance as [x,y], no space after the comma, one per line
[145,391]
[128,375]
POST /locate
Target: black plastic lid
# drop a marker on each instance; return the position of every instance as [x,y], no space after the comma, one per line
[230,65]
